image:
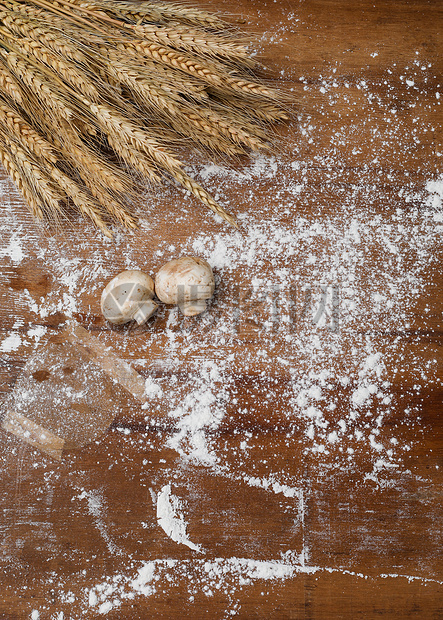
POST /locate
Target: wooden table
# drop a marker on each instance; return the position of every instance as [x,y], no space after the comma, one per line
[294,429]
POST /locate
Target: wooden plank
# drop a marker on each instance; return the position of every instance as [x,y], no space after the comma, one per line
[311,478]
[349,530]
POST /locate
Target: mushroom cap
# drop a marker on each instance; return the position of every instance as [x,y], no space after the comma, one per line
[128,297]
[188,278]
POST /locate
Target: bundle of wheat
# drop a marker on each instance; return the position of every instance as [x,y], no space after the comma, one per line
[95,95]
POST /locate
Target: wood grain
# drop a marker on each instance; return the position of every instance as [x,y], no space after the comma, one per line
[359,532]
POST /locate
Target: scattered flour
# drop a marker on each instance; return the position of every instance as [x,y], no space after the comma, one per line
[152,390]
[170,519]
[435,199]
[96,508]
[218,575]
[11,343]
[14,249]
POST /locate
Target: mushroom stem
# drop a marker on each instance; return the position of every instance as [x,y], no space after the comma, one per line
[191,308]
[144,311]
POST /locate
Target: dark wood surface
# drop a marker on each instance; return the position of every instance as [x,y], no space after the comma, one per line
[293,522]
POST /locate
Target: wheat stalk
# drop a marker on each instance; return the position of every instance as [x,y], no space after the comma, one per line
[95,95]
[162,13]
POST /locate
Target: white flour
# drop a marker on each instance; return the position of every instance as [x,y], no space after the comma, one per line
[14,249]
[11,343]
[170,519]
[96,509]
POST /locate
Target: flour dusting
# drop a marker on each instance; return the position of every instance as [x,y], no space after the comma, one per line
[14,248]
[11,343]
[170,519]
[96,508]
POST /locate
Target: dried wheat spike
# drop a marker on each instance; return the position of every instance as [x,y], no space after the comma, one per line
[82,199]
[13,169]
[64,68]
[206,71]
[40,86]
[112,206]
[203,195]
[197,42]
[120,128]
[9,86]
[30,175]
[133,158]
[159,12]
[89,162]
[38,31]
[209,127]
[22,130]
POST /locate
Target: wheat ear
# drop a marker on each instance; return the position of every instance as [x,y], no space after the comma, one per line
[209,126]
[8,85]
[200,193]
[207,72]
[65,69]
[197,42]
[160,12]
[13,169]
[22,130]
[47,198]
[120,128]
[37,31]
[82,200]
[37,81]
